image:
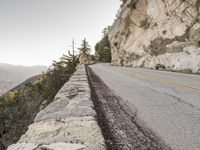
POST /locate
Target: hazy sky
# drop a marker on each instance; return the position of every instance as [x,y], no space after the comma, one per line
[35,32]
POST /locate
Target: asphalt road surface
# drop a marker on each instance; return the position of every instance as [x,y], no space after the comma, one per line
[167,103]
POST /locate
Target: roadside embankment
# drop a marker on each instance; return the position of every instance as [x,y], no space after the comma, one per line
[69,123]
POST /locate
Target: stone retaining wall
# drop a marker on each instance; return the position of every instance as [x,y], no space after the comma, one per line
[69,123]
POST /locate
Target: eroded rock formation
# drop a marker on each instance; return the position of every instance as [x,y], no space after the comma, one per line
[157,33]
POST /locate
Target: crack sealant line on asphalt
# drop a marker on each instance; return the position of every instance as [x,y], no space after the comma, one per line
[163,81]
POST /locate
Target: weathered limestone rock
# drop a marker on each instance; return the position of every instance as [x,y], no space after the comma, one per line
[157,32]
[60,146]
[22,146]
[77,130]
[68,123]
[85,58]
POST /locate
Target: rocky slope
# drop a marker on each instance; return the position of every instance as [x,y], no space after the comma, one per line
[157,33]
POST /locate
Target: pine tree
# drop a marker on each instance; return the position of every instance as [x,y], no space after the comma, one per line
[103,48]
[85,48]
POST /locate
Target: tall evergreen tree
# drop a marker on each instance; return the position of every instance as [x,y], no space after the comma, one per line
[85,48]
[103,48]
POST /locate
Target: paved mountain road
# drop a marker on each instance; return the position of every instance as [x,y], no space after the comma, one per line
[166,102]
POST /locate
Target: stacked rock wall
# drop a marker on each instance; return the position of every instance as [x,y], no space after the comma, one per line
[69,123]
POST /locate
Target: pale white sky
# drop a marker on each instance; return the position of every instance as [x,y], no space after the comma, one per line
[35,32]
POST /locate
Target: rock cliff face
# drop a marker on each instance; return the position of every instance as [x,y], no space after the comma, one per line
[157,33]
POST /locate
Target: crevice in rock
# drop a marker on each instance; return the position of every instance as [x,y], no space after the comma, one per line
[132,4]
[197,5]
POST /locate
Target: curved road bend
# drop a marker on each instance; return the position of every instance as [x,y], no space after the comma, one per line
[166,102]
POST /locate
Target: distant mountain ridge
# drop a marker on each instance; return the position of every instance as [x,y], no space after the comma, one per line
[12,75]
[31,80]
